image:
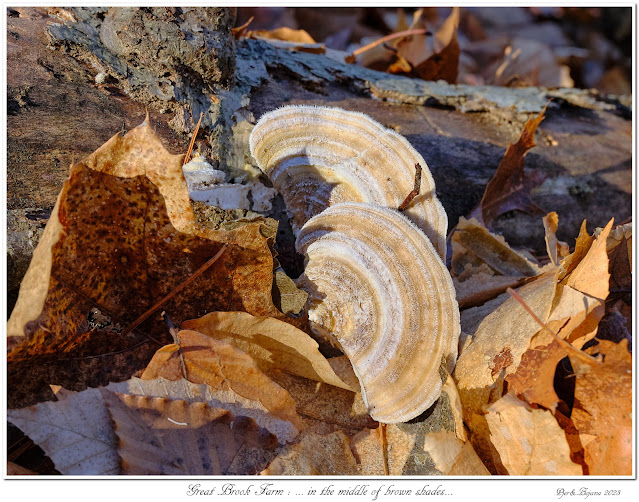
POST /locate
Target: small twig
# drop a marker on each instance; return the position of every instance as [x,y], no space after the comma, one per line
[197,128]
[415,192]
[381,430]
[566,346]
[175,291]
[173,329]
[392,36]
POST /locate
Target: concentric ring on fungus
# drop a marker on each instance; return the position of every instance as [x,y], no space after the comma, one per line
[319,156]
[379,290]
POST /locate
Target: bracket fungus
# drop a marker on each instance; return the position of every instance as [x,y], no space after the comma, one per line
[320,156]
[379,291]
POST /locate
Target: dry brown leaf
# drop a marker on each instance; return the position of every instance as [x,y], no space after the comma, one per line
[556,249]
[472,243]
[468,463]
[452,456]
[283,33]
[430,57]
[75,432]
[582,246]
[121,237]
[287,38]
[318,402]
[494,350]
[272,343]
[477,285]
[18,470]
[216,398]
[508,329]
[603,409]
[509,188]
[450,389]
[401,453]
[221,366]
[315,454]
[534,379]
[164,436]
[591,275]
[484,265]
[529,441]
[620,258]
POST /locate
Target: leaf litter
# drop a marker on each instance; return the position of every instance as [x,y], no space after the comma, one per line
[246,380]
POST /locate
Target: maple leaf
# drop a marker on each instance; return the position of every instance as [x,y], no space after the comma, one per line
[121,237]
[509,187]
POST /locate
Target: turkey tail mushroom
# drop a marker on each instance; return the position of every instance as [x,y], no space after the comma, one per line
[379,290]
[318,156]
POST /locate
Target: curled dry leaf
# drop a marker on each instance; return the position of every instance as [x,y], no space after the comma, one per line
[474,244]
[315,454]
[529,441]
[556,249]
[509,187]
[287,38]
[272,343]
[122,236]
[318,156]
[221,366]
[484,265]
[164,436]
[402,319]
[428,57]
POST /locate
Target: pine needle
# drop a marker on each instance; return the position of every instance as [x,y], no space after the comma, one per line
[197,128]
[175,291]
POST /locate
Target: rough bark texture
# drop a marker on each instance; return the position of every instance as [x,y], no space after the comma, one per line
[65,103]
